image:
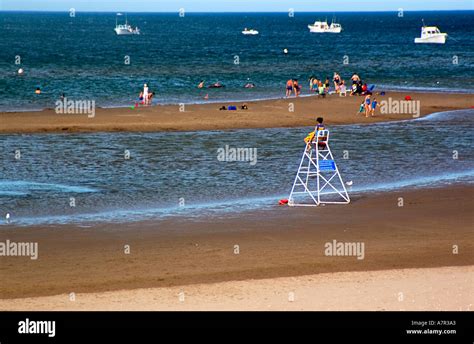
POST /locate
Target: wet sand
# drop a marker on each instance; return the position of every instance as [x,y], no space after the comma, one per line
[261,114]
[432,229]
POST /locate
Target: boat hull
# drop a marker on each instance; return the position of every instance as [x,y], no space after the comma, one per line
[438,39]
[126,32]
[319,30]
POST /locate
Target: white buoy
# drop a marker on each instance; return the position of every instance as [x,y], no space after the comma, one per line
[285,51]
[20,71]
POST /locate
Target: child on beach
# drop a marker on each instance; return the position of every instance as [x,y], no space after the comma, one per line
[342,89]
[373,107]
[322,90]
[289,87]
[361,107]
[150,98]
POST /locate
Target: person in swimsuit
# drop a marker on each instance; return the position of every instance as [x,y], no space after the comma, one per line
[312,135]
[201,84]
[337,81]
[289,87]
[150,98]
[367,105]
[374,106]
[296,87]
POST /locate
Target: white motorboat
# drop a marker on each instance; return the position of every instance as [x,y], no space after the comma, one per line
[125,29]
[431,34]
[250,32]
[323,27]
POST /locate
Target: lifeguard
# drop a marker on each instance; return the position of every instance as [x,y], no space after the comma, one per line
[310,138]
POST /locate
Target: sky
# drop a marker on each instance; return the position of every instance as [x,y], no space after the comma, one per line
[234,5]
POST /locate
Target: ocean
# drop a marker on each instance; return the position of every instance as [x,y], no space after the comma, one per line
[124,177]
[83,58]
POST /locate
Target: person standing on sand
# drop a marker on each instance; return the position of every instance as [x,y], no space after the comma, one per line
[150,98]
[373,107]
[145,94]
[367,105]
[361,107]
[296,87]
[337,81]
[289,87]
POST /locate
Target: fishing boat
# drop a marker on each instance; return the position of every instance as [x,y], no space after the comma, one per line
[250,32]
[431,34]
[125,29]
[323,27]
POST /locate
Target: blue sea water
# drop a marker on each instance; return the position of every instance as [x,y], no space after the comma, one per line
[167,169]
[83,58]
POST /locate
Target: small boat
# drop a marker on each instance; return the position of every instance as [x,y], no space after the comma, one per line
[431,34]
[250,32]
[125,29]
[323,27]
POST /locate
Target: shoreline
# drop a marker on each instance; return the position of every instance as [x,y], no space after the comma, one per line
[207,116]
[266,202]
[290,242]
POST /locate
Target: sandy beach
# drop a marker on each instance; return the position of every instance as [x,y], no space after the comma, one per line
[280,250]
[432,230]
[434,289]
[260,114]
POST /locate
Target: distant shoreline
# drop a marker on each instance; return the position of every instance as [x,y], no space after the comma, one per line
[236,12]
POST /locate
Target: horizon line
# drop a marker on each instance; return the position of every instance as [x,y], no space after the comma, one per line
[279,12]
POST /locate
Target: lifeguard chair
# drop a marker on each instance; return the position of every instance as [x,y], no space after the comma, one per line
[318,179]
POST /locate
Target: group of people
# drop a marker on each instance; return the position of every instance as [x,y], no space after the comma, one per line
[368,106]
[322,86]
[292,85]
[360,88]
[319,86]
[146,97]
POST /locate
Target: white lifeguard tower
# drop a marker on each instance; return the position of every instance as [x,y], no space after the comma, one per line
[318,180]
